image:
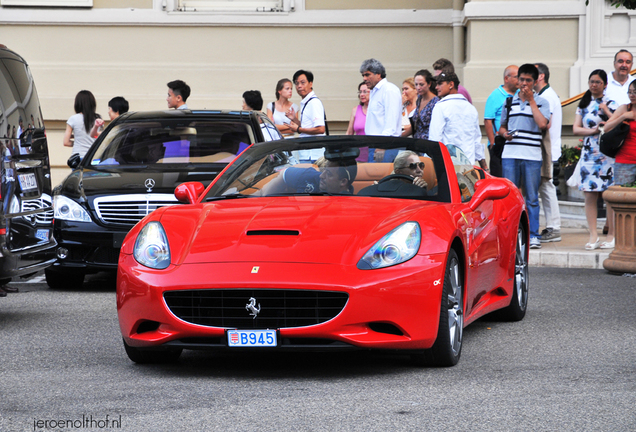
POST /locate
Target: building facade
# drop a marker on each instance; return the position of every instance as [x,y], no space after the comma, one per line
[221,48]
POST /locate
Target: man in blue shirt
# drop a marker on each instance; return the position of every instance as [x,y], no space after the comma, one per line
[492,113]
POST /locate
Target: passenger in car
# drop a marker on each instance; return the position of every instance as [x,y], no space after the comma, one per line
[334,177]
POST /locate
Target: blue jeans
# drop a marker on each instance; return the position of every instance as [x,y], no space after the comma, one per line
[526,174]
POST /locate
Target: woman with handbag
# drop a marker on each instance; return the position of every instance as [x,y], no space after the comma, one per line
[595,168]
[625,165]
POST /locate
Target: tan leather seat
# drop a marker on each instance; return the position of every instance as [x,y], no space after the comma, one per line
[370,172]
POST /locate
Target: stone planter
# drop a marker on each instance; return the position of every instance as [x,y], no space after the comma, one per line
[623,201]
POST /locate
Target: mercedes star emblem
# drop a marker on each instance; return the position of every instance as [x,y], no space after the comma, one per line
[150,183]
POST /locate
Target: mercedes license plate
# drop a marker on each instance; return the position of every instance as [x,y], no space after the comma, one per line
[27,181]
[251,338]
[42,234]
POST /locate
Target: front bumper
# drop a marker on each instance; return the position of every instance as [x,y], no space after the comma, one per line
[392,308]
[90,247]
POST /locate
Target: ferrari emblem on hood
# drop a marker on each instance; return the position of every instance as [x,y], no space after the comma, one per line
[251,307]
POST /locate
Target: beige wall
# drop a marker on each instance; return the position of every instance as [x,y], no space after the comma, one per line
[493,45]
[377,4]
[139,4]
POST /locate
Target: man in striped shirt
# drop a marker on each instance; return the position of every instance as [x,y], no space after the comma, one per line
[522,128]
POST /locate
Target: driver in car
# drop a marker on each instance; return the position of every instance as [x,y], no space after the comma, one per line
[408,163]
[334,177]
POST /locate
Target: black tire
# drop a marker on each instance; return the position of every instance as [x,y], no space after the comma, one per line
[152,356]
[516,311]
[448,346]
[61,280]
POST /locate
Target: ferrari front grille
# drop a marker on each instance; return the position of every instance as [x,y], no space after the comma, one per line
[130,209]
[270,308]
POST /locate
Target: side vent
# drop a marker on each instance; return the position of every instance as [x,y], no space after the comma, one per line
[147,326]
[387,328]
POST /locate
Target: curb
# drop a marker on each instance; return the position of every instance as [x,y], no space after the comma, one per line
[589,260]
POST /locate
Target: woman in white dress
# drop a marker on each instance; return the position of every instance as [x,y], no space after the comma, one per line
[276,111]
[596,169]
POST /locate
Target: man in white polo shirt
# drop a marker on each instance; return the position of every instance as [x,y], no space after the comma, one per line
[455,121]
[619,79]
[311,117]
[384,114]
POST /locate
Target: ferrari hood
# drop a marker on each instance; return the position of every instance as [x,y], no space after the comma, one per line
[283,229]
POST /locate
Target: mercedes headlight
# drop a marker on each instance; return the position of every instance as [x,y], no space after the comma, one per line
[151,247]
[67,209]
[396,247]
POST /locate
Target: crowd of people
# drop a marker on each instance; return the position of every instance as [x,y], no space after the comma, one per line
[524,111]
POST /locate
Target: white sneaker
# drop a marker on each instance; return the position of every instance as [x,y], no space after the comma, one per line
[535,243]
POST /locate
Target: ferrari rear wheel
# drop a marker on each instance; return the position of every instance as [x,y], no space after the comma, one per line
[151,356]
[519,302]
[448,346]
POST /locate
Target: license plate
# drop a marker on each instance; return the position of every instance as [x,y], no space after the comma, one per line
[42,234]
[251,338]
[27,181]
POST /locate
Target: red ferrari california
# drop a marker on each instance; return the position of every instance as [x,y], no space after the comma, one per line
[302,244]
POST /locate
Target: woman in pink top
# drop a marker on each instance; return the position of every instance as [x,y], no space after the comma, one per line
[359,118]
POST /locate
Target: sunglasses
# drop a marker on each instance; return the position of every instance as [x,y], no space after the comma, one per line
[415,165]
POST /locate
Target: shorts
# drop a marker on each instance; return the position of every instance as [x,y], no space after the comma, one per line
[624,173]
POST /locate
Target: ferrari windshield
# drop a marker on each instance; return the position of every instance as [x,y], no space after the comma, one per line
[173,142]
[337,166]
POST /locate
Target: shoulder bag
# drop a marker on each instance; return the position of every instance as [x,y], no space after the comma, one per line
[611,142]
[500,142]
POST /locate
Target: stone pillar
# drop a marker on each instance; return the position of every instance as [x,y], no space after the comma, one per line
[623,201]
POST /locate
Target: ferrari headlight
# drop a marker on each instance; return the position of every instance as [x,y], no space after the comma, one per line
[67,209]
[396,247]
[151,247]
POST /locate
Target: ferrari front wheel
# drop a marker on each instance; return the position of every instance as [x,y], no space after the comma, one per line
[519,302]
[151,356]
[448,345]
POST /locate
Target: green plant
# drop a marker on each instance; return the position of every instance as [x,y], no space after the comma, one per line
[630,185]
[570,155]
[627,4]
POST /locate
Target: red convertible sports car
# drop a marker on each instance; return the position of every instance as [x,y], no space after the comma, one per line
[337,254]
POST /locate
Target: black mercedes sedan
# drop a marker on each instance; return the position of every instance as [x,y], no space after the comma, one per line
[131,170]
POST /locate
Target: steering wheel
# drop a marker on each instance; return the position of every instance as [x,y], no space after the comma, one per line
[397,177]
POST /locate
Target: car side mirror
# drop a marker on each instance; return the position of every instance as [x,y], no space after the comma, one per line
[189,192]
[489,189]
